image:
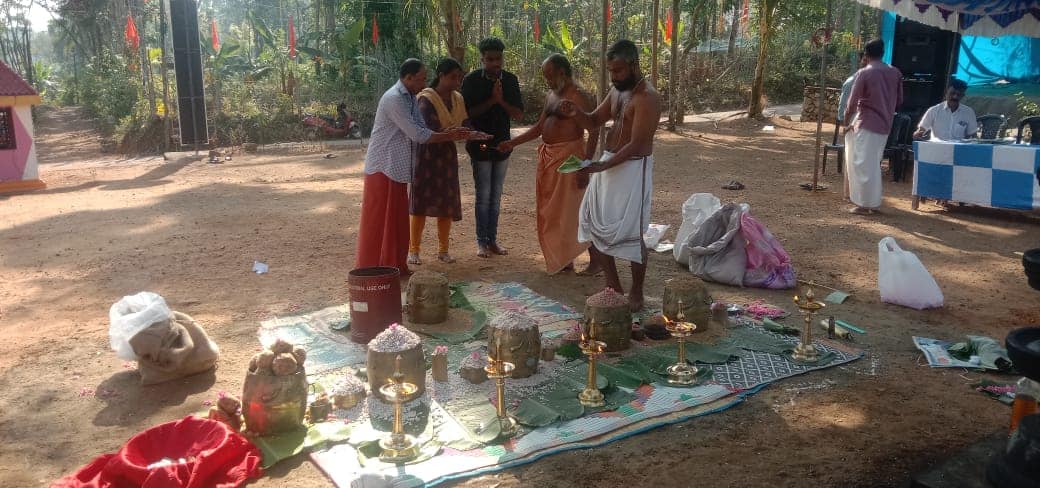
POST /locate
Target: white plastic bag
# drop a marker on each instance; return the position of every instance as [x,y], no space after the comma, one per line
[131,315]
[695,211]
[903,280]
[653,234]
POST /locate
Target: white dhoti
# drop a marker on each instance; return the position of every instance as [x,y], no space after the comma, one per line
[615,212]
[863,151]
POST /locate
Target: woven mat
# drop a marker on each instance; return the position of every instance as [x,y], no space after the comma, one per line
[462,449]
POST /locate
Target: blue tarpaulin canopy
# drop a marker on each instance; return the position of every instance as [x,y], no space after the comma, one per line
[989,18]
[985,60]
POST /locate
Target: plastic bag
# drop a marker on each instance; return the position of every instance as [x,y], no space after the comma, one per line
[653,234]
[131,315]
[717,249]
[695,211]
[768,265]
[903,280]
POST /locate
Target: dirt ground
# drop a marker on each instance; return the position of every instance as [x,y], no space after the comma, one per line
[190,231]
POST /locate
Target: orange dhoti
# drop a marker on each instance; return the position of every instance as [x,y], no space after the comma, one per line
[558,198]
[383,230]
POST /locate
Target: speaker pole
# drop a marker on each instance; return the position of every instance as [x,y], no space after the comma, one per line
[820,101]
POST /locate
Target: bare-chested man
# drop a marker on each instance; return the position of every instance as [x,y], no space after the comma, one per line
[616,210]
[559,195]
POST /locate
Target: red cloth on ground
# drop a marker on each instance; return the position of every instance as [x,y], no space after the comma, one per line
[215,456]
[383,230]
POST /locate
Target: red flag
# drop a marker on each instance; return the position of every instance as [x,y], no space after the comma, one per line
[610,12]
[292,39]
[744,14]
[668,27]
[375,31]
[458,23]
[132,38]
[213,35]
[537,29]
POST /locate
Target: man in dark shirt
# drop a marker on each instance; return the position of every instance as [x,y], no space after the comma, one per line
[492,98]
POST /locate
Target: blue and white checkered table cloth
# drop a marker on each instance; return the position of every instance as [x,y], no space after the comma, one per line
[1003,176]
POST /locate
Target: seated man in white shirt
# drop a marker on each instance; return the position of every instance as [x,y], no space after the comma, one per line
[949,120]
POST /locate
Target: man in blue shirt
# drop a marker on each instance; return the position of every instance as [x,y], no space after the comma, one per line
[492,99]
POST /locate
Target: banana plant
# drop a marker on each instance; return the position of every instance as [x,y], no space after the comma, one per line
[560,40]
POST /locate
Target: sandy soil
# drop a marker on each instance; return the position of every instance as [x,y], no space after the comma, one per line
[188,230]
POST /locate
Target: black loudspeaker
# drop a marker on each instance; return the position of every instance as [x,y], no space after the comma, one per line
[927,56]
[187,63]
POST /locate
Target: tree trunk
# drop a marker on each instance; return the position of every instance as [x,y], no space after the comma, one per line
[30,76]
[148,88]
[734,26]
[654,45]
[454,40]
[765,37]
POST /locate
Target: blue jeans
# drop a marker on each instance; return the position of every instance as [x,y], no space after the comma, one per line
[488,178]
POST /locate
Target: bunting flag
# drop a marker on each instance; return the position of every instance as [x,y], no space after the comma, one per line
[537,28]
[668,27]
[375,31]
[132,38]
[610,12]
[744,14]
[292,39]
[214,36]
[458,23]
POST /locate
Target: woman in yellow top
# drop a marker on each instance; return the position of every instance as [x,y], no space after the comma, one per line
[434,191]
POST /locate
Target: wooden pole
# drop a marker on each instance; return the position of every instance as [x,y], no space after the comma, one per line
[673,71]
[820,101]
[603,54]
[603,68]
[653,44]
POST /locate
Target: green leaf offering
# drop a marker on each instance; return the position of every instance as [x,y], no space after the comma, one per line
[571,165]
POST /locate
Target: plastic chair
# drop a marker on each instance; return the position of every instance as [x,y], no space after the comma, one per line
[1033,122]
[898,145]
[834,146]
[991,126]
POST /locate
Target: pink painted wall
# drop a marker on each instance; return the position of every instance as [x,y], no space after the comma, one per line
[20,163]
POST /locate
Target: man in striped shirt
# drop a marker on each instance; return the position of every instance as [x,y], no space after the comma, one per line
[398,128]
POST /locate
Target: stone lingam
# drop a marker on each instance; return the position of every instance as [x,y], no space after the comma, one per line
[428,297]
[381,362]
[517,337]
[688,294]
[609,310]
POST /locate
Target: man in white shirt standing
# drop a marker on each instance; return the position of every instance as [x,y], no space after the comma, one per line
[949,120]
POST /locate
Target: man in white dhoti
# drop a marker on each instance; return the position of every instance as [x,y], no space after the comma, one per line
[876,92]
[615,212]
